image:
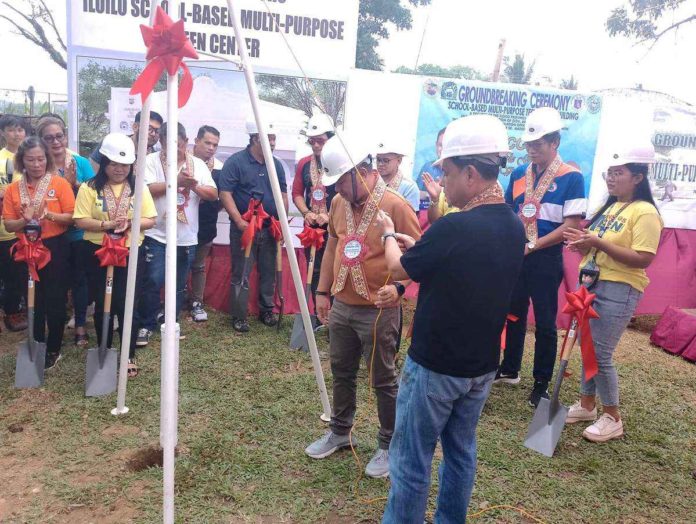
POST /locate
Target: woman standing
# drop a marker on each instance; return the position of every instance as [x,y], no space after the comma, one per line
[43,196]
[75,169]
[618,246]
[105,207]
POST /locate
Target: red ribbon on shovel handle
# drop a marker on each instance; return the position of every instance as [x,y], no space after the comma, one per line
[255,215]
[579,306]
[35,254]
[113,252]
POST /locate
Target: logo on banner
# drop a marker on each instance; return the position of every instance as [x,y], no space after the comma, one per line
[594,104]
[430,88]
[578,102]
[449,91]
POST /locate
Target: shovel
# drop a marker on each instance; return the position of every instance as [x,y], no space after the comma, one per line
[102,363]
[279,284]
[31,357]
[298,337]
[550,415]
[241,290]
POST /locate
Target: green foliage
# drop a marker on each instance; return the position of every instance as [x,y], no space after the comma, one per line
[569,83]
[458,71]
[517,72]
[647,20]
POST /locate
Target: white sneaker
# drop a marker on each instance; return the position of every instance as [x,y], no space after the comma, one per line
[606,428]
[378,467]
[198,314]
[71,323]
[576,413]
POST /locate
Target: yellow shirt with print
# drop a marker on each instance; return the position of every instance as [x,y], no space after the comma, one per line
[89,204]
[5,155]
[638,227]
[443,206]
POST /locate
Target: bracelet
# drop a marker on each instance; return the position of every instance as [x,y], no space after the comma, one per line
[400,288]
[321,293]
[385,236]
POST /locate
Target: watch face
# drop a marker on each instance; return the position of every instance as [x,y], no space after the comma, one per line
[531,245]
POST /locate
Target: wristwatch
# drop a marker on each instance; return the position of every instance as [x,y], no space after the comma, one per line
[385,236]
[400,288]
[322,293]
[531,246]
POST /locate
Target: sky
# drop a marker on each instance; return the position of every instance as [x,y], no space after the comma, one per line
[564,37]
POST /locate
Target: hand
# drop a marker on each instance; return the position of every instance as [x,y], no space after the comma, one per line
[387,296]
[580,239]
[242,224]
[185,180]
[28,211]
[405,242]
[121,225]
[322,219]
[323,306]
[310,218]
[384,223]
[431,186]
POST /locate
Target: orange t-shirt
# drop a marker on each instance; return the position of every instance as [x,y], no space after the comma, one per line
[59,199]
[374,265]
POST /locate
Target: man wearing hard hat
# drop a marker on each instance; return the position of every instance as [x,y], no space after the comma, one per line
[310,196]
[549,196]
[390,153]
[365,313]
[467,264]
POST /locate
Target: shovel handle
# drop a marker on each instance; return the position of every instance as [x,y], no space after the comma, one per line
[279,257]
[310,264]
[31,289]
[247,250]
[570,339]
[109,289]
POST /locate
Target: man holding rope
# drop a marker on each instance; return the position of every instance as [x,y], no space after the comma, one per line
[364,318]
[467,265]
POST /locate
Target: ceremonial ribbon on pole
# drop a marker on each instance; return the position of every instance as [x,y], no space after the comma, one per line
[579,306]
[113,252]
[255,215]
[35,254]
[311,237]
[167,46]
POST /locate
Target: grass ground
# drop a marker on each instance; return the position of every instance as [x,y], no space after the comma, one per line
[249,406]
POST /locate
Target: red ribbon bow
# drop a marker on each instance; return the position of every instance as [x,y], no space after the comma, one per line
[35,254]
[276,231]
[167,45]
[113,252]
[311,237]
[255,215]
[579,305]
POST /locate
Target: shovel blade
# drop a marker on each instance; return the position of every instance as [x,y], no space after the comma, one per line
[546,428]
[240,300]
[298,337]
[101,380]
[29,373]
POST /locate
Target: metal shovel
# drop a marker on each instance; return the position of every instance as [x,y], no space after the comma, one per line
[279,283]
[240,297]
[102,363]
[550,415]
[298,337]
[31,357]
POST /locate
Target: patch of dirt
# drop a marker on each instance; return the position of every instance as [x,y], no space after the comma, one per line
[120,512]
[149,457]
[644,323]
[120,430]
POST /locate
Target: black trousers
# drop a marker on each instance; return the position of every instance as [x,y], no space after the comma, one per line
[14,278]
[51,294]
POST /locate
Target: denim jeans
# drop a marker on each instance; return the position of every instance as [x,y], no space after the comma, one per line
[431,406]
[542,273]
[154,279]
[78,285]
[615,304]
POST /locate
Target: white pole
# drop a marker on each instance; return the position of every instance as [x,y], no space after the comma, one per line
[121,408]
[275,186]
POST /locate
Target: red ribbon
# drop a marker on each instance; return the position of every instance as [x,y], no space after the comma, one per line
[255,215]
[579,306]
[503,335]
[113,252]
[311,237]
[167,46]
[276,231]
[35,254]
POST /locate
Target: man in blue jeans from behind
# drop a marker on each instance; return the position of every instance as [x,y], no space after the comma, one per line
[467,264]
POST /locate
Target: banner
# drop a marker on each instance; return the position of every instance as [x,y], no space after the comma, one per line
[445,100]
[322,34]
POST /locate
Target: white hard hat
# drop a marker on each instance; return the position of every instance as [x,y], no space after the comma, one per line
[319,124]
[391,145]
[541,122]
[340,155]
[474,135]
[119,148]
[638,150]
[252,128]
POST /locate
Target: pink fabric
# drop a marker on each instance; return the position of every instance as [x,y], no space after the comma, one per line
[675,331]
[689,352]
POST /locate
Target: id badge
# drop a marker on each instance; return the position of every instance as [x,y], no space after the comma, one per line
[589,274]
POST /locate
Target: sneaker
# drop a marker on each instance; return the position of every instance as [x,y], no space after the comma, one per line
[506,378]
[328,444]
[198,314]
[143,338]
[606,428]
[160,317]
[268,318]
[378,467]
[71,323]
[240,325]
[16,322]
[576,413]
[51,360]
[539,391]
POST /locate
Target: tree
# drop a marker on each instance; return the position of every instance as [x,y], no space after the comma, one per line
[517,72]
[648,20]
[458,71]
[372,26]
[569,83]
[29,21]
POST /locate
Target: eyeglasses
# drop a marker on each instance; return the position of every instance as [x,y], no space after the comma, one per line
[318,141]
[58,137]
[153,130]
[384,159]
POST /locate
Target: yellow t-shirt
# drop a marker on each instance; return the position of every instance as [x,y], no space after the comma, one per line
[91,205]
[443,206]
[638,227]
[5,155]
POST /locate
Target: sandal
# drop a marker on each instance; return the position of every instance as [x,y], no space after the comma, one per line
[81,339]
[133,369]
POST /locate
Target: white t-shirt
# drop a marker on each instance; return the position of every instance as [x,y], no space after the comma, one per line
[187,234]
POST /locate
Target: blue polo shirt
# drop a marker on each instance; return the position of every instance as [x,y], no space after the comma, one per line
[242,175]
[564,198]
[432,170]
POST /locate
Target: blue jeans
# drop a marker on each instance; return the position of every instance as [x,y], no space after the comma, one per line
[154,253]
[78,284]
[431,406]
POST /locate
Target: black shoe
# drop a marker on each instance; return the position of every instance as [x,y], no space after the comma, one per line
[240,325]
[539,391]
[506,378]
[268,318]
[51,360]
